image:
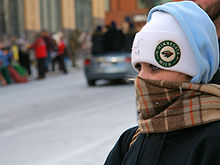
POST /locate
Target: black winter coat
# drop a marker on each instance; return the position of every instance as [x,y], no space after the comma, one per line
[199,145]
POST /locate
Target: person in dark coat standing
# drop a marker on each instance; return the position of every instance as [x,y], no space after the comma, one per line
[113,38]
[177,93]
[40,50]
[24,55]
[51,47]
[97,41]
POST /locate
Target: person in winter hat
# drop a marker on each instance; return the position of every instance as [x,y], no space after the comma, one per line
[40,51]
[176,55]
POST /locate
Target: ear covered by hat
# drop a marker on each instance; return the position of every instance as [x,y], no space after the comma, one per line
[179,36]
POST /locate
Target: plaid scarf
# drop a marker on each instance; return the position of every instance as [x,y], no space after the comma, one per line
[166,106]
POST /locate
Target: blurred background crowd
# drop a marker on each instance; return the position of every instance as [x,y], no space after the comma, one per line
[20,57]
[52,52]
[46,36]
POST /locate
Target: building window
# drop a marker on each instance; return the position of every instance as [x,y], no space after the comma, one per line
[2,21]
[13,16]
[107,5]
[51,15]
[83,15]
[142,4]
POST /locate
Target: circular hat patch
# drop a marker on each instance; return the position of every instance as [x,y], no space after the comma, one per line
[167,53]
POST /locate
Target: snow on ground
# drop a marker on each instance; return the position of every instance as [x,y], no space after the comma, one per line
[62,121]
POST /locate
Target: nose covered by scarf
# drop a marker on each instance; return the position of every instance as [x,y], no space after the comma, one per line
[165,106]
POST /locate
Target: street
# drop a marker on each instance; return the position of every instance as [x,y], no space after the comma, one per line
[62,121]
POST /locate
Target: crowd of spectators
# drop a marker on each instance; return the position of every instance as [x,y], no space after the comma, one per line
[51,50]
[113,38]
[16,62]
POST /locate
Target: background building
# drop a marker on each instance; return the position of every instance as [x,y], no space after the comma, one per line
[11,16]
[19,17]
[135,11]
[121,11]
[98,12]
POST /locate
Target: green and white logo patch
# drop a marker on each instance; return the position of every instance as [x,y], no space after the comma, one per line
[167,53]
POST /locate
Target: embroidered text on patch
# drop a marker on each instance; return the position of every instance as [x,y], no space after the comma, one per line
[167,53]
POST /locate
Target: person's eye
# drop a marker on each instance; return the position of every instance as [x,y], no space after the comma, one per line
[138,67]
[154,68]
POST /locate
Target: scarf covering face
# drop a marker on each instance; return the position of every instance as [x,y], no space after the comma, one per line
[167,106]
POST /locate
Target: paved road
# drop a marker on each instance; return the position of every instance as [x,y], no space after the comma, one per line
[61,121]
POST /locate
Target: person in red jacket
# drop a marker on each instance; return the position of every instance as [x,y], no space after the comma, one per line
[58,38]
[40,50]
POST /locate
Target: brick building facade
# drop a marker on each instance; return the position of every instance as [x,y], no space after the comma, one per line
[122,10]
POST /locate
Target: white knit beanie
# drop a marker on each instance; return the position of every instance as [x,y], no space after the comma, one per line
[162,43]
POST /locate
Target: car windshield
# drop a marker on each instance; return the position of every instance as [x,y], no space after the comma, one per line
[113,40]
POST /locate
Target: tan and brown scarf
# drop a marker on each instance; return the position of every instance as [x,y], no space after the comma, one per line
[166,106]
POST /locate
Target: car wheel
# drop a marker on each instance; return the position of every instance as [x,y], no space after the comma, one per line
[91,82]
